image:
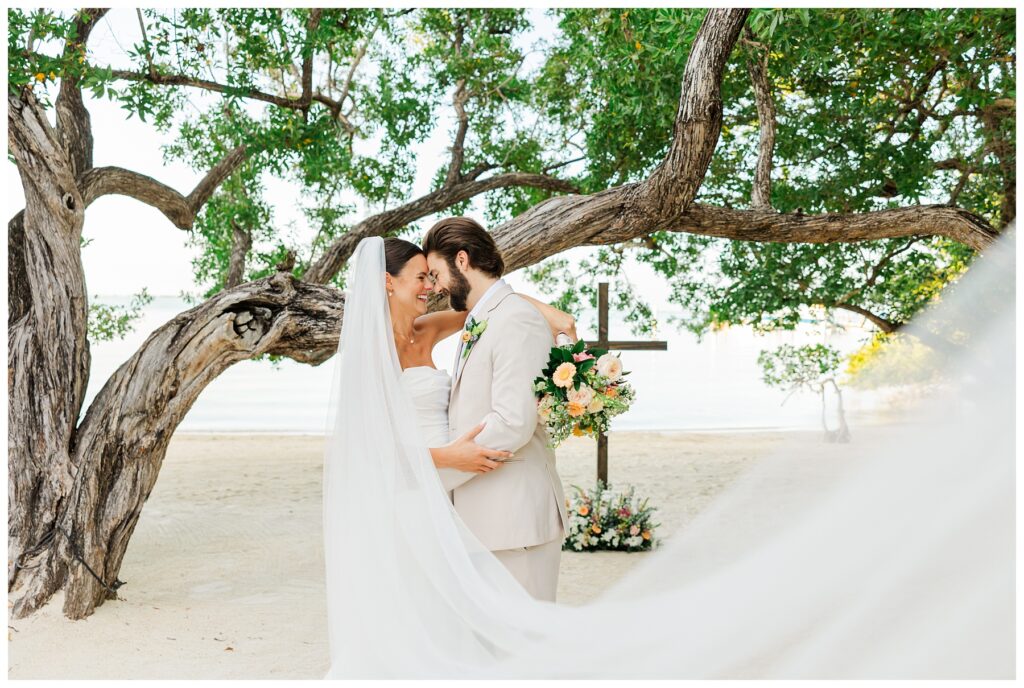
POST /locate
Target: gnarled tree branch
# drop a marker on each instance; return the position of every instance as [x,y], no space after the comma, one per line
[458,152]
[181,210]
[881,323]
[673,184]
[760,195]
[241,242]
[292,103]
[74,127]
[561,223]
[334,258]
[307,59]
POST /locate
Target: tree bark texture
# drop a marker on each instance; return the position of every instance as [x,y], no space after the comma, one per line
[123,438]
[48,353]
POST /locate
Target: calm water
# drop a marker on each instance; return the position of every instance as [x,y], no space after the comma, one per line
[709,385]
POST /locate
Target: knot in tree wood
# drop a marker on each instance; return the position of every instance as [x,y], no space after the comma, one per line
[252,323]
[282,282]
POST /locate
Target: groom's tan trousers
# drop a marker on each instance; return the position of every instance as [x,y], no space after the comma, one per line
[536,567]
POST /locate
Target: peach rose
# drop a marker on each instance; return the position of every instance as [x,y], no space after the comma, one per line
[611,392]
[576,410]
[466,336]
[595,529]
[564,374]
[609,366]
[584,510]
[646,535]
[582,396]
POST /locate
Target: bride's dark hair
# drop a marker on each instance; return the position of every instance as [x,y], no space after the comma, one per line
[398,252]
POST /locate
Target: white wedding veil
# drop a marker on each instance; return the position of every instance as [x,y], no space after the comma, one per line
[410,591]
[891,559]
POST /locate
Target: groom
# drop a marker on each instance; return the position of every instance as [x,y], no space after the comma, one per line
[518,510]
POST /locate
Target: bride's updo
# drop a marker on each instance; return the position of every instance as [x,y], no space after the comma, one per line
[398,252]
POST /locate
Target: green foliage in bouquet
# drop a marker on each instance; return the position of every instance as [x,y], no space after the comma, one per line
[603,519]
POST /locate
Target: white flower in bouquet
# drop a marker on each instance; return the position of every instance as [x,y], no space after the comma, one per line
[582,396]
[609,366]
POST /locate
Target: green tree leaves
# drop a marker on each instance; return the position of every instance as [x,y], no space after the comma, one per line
[876,108]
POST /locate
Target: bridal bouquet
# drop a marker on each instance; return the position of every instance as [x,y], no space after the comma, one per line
[605,519]
[580,391]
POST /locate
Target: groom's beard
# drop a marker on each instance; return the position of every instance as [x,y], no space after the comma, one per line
[458,289]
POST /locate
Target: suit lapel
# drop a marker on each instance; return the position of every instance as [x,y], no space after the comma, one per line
[496,300]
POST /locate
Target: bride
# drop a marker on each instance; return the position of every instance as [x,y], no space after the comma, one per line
[897,562]
[409,284]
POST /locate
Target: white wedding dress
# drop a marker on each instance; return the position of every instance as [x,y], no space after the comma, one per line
[430,389]
[896,563]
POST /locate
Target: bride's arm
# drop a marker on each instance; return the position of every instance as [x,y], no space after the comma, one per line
[466,455]
[558,321]
[441,324]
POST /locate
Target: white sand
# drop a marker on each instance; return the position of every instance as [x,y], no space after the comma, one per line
[225,570]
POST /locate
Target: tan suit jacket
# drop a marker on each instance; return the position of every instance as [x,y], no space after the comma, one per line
[521,503]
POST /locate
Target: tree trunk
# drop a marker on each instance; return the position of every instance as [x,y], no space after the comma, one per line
[843,433]
[123,438]
[48,353]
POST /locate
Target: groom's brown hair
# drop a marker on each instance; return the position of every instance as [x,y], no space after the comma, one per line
[453,234]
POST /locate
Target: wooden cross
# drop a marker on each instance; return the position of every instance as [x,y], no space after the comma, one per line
[604,343]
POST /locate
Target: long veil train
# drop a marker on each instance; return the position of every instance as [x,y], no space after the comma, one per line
[895,560]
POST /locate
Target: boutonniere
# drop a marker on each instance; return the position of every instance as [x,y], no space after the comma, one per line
[471,333]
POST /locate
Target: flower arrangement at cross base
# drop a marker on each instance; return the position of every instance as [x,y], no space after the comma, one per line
[580,391]
[603,519]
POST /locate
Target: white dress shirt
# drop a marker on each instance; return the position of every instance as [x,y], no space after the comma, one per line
[476,310]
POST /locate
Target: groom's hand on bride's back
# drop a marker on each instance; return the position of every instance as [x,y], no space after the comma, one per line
[467,455]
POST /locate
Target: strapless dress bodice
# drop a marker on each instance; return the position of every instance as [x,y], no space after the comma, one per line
[429,389]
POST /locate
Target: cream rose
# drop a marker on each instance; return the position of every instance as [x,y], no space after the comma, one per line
[582,396]
[595,406]
[564,374]
[609,366]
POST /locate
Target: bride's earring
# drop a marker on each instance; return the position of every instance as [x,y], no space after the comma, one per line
[390,294]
